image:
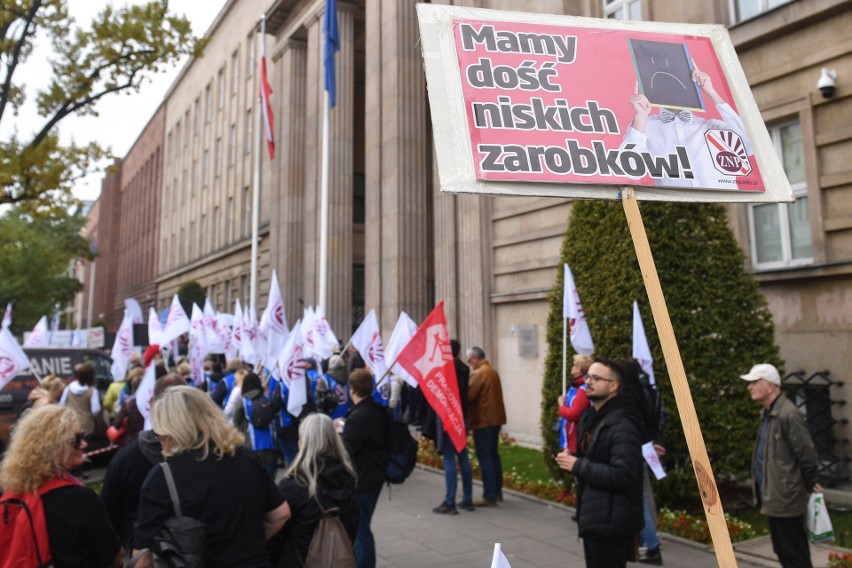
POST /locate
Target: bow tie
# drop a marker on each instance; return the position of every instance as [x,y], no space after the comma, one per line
[668,116]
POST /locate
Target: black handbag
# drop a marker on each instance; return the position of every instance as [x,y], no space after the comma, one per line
[182,542]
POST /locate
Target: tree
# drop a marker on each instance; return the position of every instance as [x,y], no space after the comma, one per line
[36,256]
[113,55]
[191,292]
[721,321]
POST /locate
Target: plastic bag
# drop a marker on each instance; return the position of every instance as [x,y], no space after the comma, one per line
[819,524]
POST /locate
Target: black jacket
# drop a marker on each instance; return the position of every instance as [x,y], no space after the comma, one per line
[365,436]
[609,497]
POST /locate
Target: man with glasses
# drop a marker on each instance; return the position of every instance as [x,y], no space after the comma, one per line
[785,467]
[608,469]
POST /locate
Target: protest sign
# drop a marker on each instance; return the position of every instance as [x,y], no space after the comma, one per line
[534,104]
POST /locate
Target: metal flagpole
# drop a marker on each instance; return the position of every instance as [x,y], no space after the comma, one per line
[564,349]
[255,198]
[323,279]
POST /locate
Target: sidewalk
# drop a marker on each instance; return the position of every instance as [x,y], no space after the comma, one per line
[533,533]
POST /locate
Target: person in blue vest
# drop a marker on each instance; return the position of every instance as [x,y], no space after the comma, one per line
[258,414]
[338,381]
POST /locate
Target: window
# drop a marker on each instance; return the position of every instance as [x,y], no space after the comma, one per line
[246,210]
[228,294]
[202,237]
[232,145]
[781,232]
[231,213]
[215,228]
[623,9]
[217,159]
[249,129]
[205,168]
[171,150]
[186,129]
[742,10]
[208,103]
[244,290]
[235,72]
[251,48]
[220,88]
[197,115]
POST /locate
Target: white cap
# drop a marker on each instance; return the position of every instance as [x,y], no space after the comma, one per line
[763,371]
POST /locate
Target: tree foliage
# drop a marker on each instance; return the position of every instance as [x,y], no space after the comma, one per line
[722,324]
[113,54]
[36,261]
[191,292]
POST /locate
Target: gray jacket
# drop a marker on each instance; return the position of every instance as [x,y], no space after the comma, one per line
[790,463]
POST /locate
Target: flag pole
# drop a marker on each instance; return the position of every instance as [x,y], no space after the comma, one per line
[685,405]
[323,277]
[564,352]
[255,198]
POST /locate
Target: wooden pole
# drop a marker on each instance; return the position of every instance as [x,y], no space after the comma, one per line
[686,408]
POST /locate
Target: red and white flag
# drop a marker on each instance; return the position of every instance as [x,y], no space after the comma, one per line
[122,348]
[177,322]
[367,339]
[572,310]
[197,345]
[7,316]
[428,357]
[145,391]
[402,333]
[248,352]
[291,368]
[12,357]
[38,336]
[212,329]
[265,91]
[155,328]
[273,323]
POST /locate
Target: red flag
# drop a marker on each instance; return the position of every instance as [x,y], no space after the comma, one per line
[265,91]
[428,357]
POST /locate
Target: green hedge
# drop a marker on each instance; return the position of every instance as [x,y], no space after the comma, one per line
[720,319]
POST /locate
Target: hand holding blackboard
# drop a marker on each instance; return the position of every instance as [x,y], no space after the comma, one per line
[641,109]
[703,80]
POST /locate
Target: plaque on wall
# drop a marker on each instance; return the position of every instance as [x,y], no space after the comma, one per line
[528,341]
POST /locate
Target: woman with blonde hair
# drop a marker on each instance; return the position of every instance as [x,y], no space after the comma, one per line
[321,476]
[218,483]
[48,391]
[46,445]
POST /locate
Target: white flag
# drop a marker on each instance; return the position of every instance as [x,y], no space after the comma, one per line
[641,351]
[7,315]
[316,333]
[236,331]
[291,367]
[581,337]
[197,345]
[274,323]
[499,559]
[367,339]
[122,348]
[177,322]
[12,357]
[145,392]
[215,340]
[155,328]
[247,339]
[38,336]
[402,333]
[134,309]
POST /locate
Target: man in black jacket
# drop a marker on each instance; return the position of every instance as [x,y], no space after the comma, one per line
[365,435]
[608,469]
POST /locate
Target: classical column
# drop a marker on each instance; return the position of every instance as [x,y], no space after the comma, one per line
[339,308]
[398,176]
[287,247]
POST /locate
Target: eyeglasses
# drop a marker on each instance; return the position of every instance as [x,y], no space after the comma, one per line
[77,442]
[596,378]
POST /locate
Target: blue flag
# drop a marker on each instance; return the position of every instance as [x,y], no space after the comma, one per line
[331,46]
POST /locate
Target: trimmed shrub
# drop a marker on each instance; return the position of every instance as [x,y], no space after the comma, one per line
[720,319]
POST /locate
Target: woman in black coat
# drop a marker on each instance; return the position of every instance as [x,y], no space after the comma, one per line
[321,474]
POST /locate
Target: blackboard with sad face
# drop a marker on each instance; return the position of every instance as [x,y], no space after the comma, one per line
[664,71]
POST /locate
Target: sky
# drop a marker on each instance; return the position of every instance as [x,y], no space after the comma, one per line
[121,117]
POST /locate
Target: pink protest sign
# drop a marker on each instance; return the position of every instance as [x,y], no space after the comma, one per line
[552,103]
[535,104]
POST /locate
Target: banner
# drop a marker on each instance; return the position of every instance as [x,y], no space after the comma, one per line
[428,357]
[534,104]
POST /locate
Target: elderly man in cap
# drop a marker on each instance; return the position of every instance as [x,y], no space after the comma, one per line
[784,465]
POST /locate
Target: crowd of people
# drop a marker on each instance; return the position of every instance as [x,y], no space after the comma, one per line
[213,453]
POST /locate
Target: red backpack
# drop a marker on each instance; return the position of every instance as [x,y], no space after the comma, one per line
[23,531]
